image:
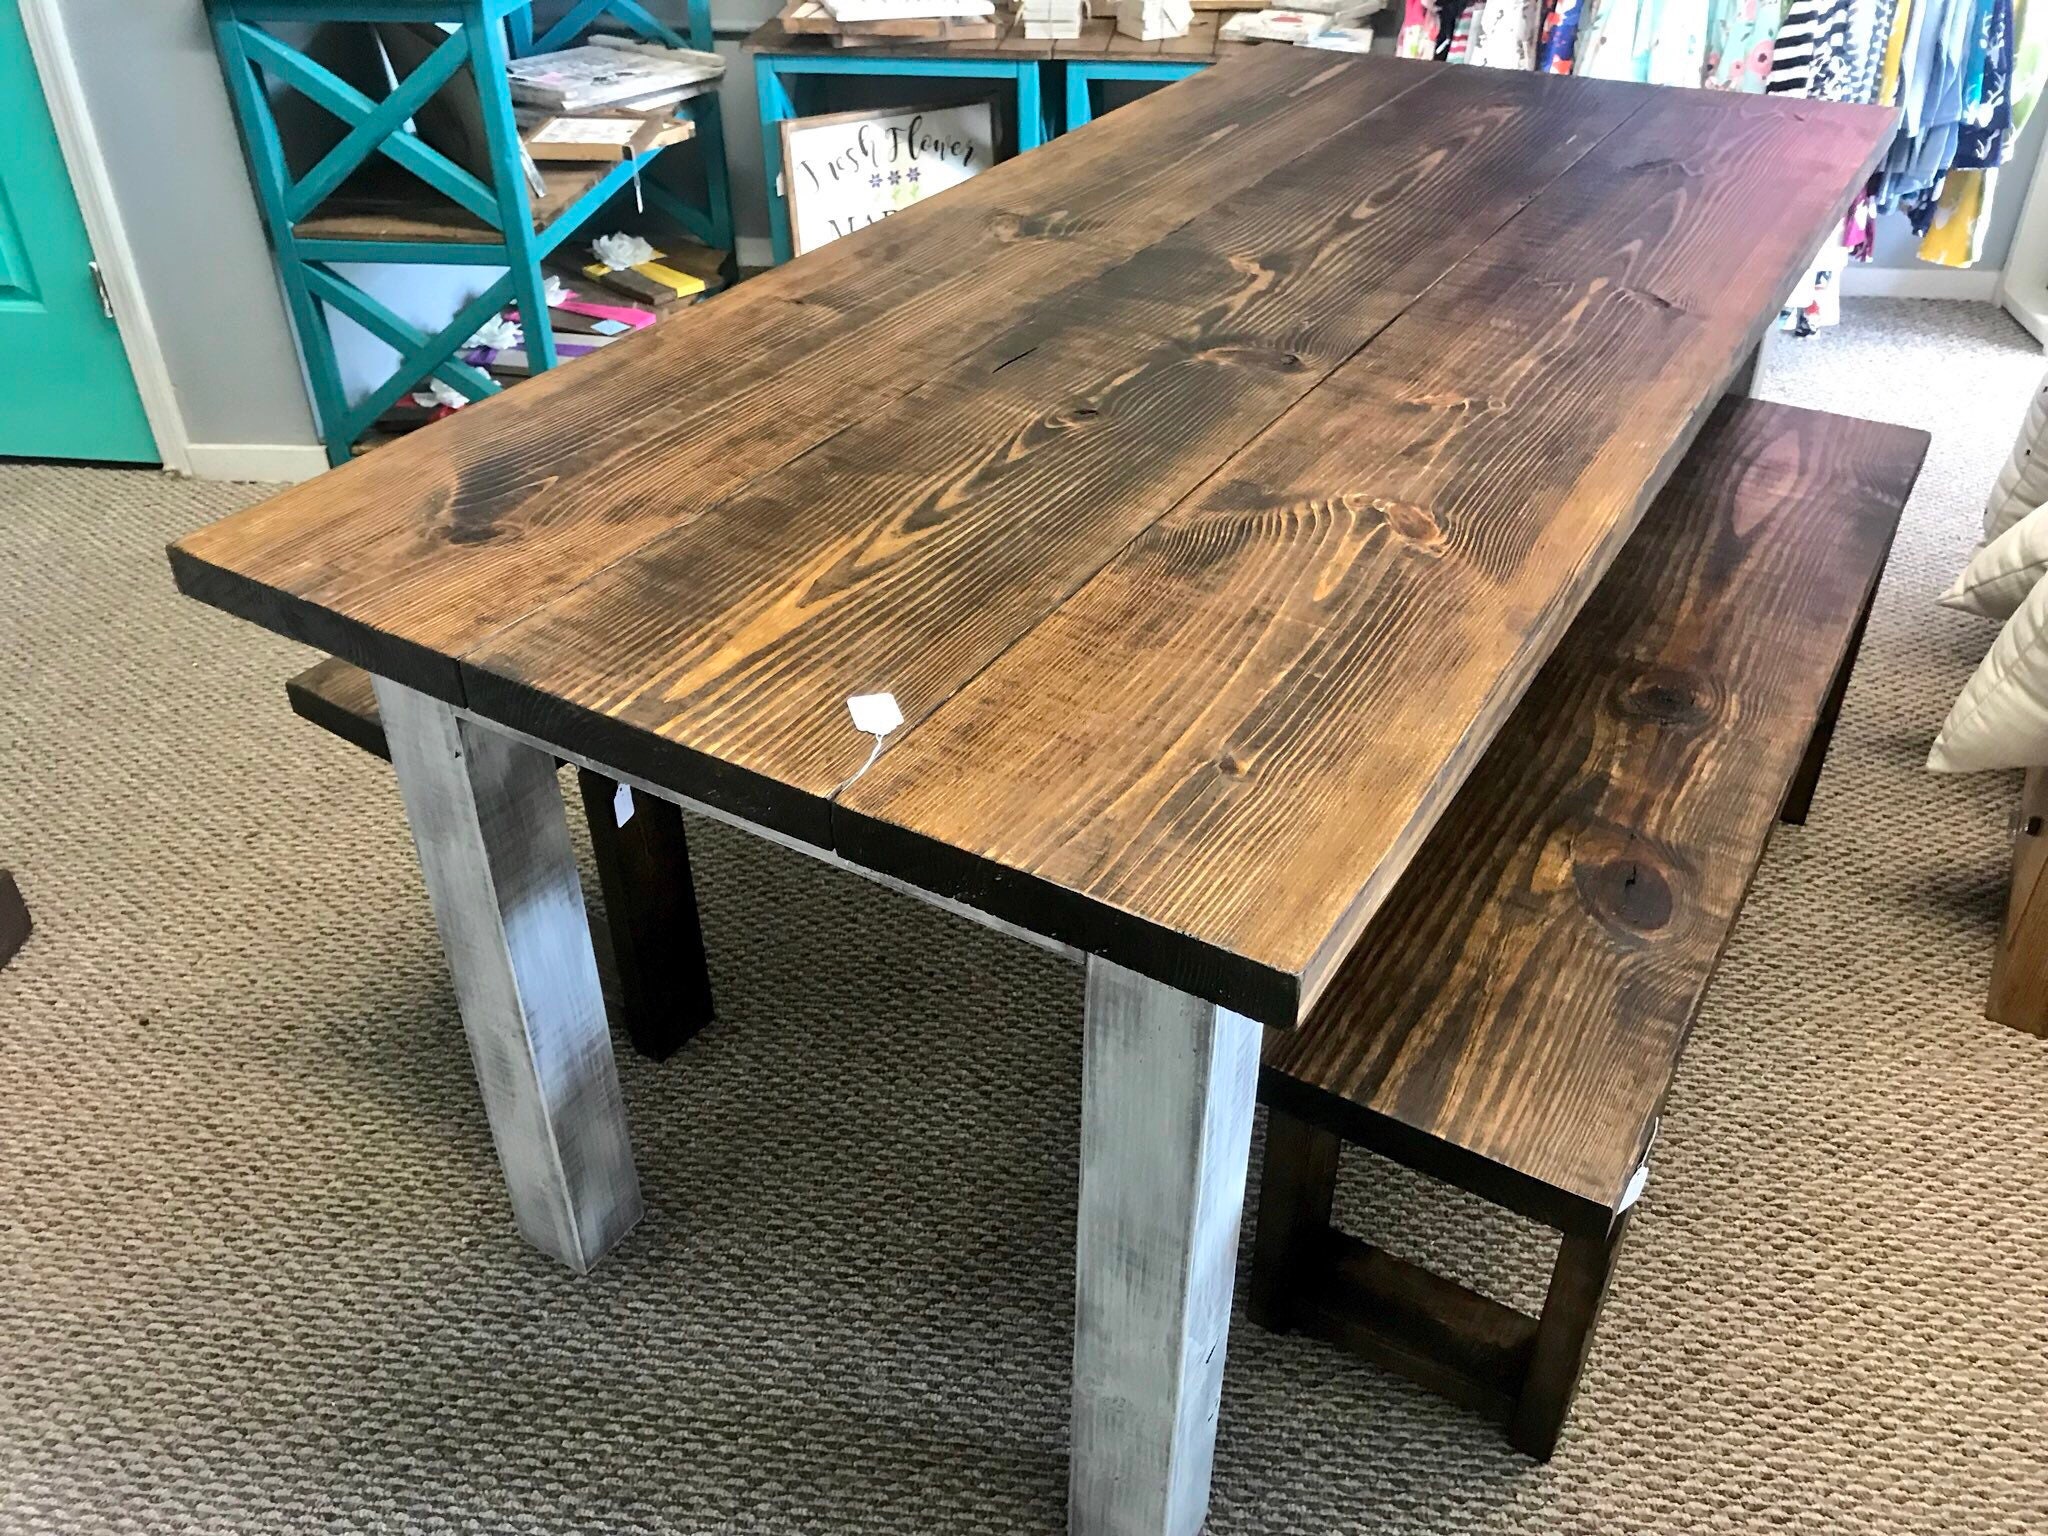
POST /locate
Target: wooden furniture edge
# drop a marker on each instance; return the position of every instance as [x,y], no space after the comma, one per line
[15,923]
[284,613]
[1262,993]
[2018,995]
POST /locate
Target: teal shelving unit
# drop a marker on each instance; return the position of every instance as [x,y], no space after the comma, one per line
[473,221]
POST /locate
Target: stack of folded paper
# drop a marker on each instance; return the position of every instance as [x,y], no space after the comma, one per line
[856,23]
[1052,18]
[1274,26]
[1150,20]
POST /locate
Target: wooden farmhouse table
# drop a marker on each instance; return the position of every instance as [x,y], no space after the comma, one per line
[1205,487]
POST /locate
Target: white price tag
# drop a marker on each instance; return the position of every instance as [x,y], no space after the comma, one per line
[1636,1185]
[622,805]
[875,713]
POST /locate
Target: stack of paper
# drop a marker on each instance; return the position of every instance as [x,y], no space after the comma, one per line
[1340,13]
[861,23]
[1052,18]
[1150,20]
[1273,26]
[578,79]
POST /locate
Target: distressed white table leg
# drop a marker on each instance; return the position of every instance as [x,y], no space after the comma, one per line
[1167,1090]
[493,840]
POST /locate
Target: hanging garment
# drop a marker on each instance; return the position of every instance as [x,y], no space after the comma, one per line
[1955,237]
[1894,48]
[1677,44]
[1870,32]
[1452,22]
[1558,44]
[1740,36]
[1833,72]
[1607,40]
[1956,229]
[1936,57]
[1417,39]
[1987,110]
[1659,42]
[1859,228]
[1461,35]
[1503,33]
[1792,58]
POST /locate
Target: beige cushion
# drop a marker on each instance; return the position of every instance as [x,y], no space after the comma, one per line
[2023,483]
[2002,573]
[2001,718]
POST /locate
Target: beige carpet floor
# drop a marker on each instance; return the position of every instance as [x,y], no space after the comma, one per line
[257,1274]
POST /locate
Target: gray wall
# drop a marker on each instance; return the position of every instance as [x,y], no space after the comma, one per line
[158,104]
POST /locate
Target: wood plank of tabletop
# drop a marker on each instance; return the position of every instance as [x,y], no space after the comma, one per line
[1211,764]
[408,556]
[914,548]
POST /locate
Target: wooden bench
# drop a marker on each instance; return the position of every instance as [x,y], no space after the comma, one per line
[1511,1019]
[643,870]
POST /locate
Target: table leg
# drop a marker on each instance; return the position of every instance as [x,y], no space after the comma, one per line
[650,903]
[493,840]
[1743,385]
[1168,1087]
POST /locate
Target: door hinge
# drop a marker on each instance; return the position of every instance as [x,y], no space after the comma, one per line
[99,286]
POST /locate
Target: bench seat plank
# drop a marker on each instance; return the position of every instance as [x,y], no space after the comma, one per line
[340,699]
[1513,1016]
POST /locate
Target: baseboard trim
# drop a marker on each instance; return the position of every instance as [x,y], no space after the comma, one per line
[273,463]
[1976,285]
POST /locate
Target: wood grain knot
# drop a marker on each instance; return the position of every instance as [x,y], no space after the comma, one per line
[1668,163]
[1667,696]
[470,513]
[1625,891]
[1056,223]
[1413,525]
[1271,359]
[1449,403]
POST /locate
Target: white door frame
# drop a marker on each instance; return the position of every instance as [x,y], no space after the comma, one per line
[2023,287]
[49,47]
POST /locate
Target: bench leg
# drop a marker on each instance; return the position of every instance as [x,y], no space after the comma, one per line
[1295,1196]
[1564,1335]
[487,818]
[650,902]
[1168,1086]
[14,918]
[1743,385]
[1799,798]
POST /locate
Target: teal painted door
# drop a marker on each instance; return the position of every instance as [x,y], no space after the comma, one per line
[65,388]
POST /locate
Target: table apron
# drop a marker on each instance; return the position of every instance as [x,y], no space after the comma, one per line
[781,839]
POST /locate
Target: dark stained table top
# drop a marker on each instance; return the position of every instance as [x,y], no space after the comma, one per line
[1207,486]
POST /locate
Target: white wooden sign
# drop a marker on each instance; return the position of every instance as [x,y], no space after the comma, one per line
[846,170]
